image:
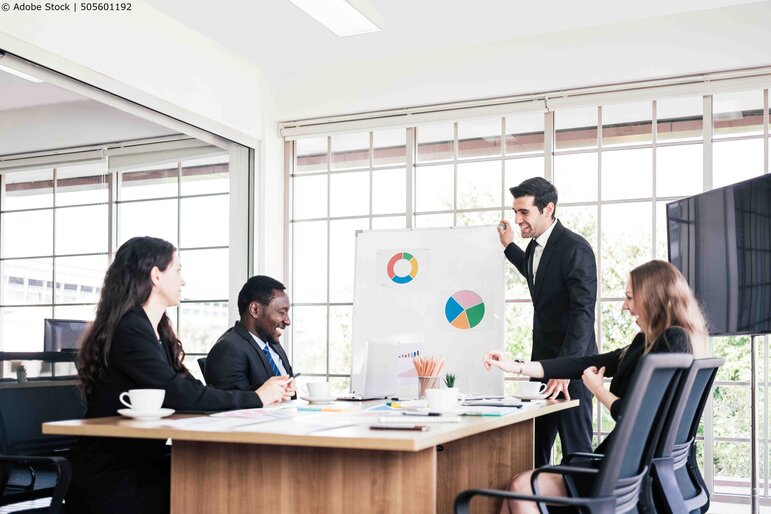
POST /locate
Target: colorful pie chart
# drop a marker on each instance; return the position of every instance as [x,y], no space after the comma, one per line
[464,309]
[398,266]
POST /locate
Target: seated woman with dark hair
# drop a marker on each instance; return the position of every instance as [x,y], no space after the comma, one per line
[670,320]
[131,345]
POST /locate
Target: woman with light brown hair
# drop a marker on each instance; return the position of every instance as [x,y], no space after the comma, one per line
[670,320]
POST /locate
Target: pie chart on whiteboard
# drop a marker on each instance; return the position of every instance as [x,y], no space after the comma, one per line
[464,309]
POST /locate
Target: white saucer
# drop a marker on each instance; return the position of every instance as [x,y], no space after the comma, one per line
[319,399]
[145,415]
[539,396]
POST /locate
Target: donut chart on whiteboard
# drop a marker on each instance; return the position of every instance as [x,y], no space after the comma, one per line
[464,309]
[397,268]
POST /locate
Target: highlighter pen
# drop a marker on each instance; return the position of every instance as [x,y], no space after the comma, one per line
[320,409]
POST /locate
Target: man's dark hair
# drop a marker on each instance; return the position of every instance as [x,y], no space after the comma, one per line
[258,289]
[540,189]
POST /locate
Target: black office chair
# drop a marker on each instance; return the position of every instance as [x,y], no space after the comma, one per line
[617,483]
[202,365]
[677,485]
[33,465]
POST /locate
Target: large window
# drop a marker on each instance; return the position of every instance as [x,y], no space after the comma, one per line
[616,165]
[58,223]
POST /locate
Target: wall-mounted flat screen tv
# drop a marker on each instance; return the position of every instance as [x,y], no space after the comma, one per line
[63,334]
[721,241]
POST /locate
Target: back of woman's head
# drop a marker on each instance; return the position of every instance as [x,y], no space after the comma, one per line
[665,300]
[127,285]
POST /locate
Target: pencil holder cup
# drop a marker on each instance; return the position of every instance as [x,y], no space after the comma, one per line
[426,383]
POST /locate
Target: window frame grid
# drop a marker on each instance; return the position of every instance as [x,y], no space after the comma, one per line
[707,140]
[114,188]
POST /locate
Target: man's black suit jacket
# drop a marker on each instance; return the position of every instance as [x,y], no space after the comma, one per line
[564,294]
[237,362]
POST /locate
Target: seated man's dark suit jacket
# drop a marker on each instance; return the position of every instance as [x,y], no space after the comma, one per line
[237,362]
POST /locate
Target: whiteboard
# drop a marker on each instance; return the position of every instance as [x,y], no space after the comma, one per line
[434,291]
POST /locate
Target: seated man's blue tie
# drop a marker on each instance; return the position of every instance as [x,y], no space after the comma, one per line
[272,363]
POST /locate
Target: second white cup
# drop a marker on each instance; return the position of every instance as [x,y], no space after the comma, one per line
[531,388]
[143,399]
[318,389]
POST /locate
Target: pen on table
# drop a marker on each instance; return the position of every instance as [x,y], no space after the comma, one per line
[406,404]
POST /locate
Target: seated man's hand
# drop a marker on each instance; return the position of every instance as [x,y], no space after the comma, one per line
[291,389]
[273,390]
[555,386]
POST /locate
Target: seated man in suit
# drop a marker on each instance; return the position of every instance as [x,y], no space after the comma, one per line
[248,354]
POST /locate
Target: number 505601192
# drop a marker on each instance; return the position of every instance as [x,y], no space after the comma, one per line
[105,6]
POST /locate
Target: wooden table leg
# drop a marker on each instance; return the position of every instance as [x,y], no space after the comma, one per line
[486,460]
[223,478]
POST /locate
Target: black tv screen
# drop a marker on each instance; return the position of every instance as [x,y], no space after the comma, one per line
[63,334]
[721,241]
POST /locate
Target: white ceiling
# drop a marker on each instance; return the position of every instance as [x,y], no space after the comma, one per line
[430,51]
[434,51]
[40,116]
[279,38]
[16,92]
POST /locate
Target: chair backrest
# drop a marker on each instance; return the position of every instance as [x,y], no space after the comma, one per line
[202,365]
[23,410]
[692,395]
[648,398]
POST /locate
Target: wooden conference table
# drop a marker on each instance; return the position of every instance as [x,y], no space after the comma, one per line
[291,466]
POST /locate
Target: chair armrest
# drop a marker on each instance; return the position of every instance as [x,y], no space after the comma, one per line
[63,475]
[601,505]
[29,459]
[561,470]
[583,455]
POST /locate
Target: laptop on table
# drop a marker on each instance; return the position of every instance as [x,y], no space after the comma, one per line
[376,377]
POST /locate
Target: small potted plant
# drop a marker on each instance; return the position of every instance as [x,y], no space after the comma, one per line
[449,381]
[21,374]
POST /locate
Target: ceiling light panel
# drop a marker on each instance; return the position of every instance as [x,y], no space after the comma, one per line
[342,17]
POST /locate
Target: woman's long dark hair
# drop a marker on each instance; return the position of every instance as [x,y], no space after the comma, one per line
[127,286]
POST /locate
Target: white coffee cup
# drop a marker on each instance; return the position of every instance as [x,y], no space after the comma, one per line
[318,389]
[531,388]
[442,399]
[143,399]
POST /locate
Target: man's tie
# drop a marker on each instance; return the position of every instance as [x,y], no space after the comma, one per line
[530,262]
[272,363]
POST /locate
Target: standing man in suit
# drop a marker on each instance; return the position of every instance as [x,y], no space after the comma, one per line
[249,353]
[561,273]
